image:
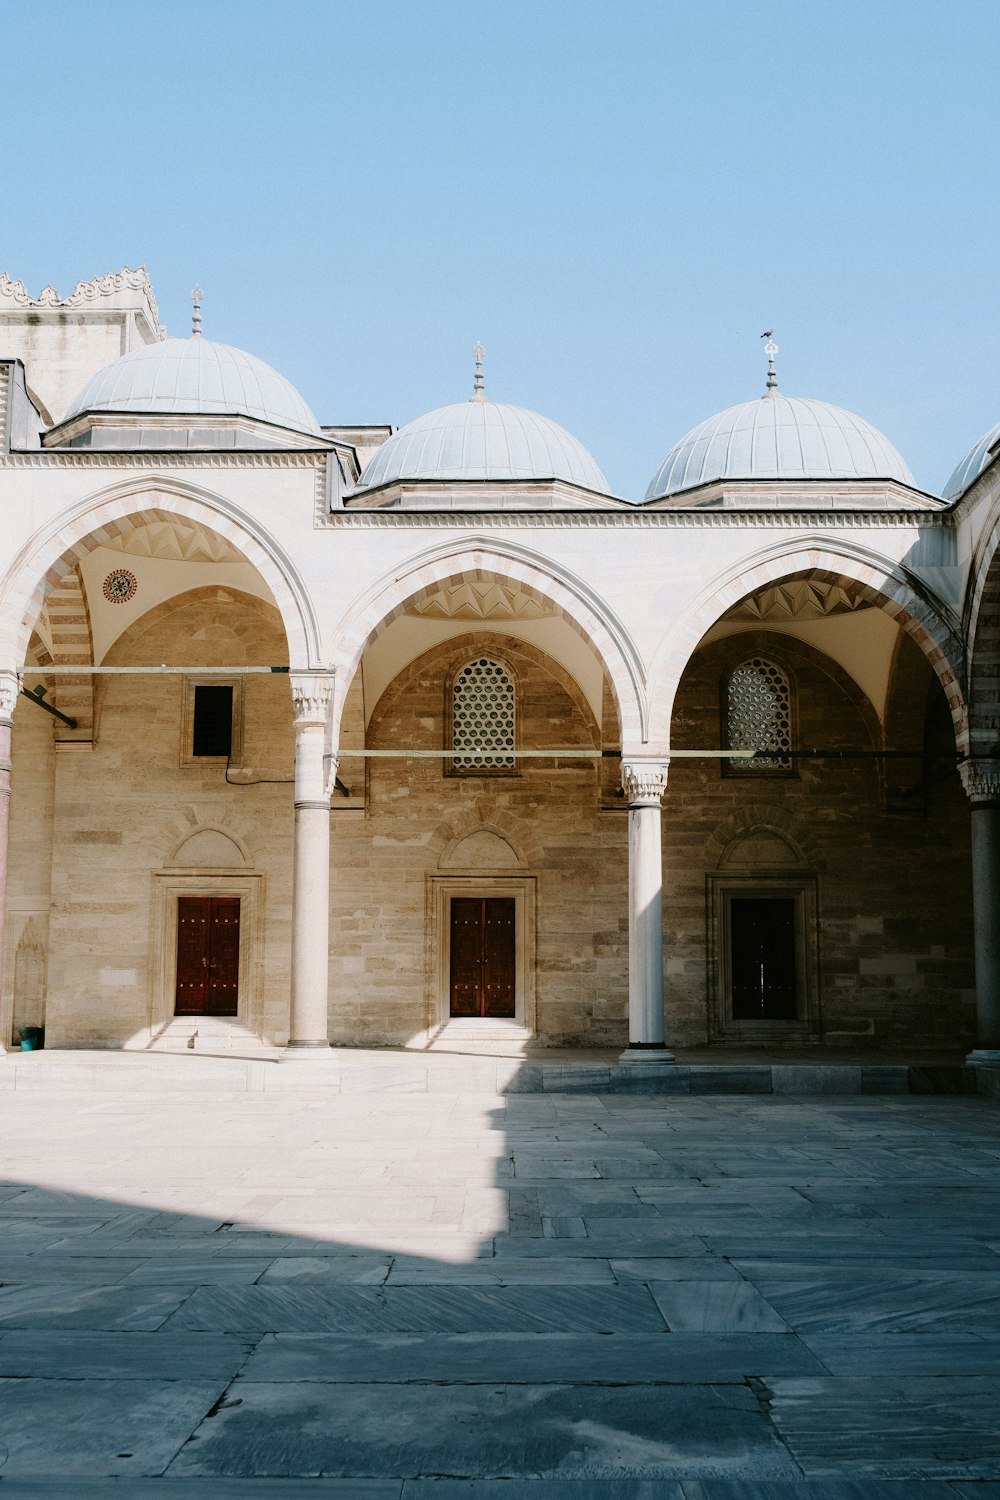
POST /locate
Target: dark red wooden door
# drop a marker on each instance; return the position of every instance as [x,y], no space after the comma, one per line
[482,956]
[208,955]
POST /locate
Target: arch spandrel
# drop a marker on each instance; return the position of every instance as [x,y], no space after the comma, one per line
[983,634]
[535,576]
[880,582]
[44,560]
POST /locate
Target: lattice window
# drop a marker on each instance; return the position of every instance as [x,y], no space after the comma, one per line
[759,715]
[483,717]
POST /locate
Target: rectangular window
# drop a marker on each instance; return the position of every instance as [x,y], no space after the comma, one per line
[212,723]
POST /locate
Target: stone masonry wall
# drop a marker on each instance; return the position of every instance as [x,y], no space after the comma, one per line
[123,810]
[382,980]
[894,932]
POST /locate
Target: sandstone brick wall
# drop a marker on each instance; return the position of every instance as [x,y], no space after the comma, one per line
[894,937]
[90,828]
[382,979]
[122,811]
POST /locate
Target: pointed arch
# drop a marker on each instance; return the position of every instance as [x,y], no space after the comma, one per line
[537,576]
[60,545]
[983,634]
[878,580]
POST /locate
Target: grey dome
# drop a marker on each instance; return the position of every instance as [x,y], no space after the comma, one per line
[973,464]
[195,375]
[779,437]
[482,439]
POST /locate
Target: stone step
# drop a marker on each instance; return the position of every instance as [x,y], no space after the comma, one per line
[173,1069]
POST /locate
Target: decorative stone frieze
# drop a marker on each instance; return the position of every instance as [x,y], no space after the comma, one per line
[637,519]
[644,781]
[125,280]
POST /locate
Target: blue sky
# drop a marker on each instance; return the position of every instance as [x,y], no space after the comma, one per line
[615,198]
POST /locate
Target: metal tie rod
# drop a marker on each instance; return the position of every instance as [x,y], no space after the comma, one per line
[59,669]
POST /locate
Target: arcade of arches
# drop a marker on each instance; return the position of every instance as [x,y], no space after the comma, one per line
[310,748]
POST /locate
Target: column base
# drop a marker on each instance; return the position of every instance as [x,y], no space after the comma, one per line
[984,1057]
[305,1051]
[646,1054]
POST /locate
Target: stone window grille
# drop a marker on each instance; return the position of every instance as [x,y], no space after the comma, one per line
[758,708]
[483,717]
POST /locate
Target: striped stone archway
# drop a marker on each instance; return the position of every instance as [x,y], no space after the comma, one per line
[874,580]
[72,643]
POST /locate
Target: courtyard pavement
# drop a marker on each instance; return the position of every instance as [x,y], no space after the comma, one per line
[399,1296]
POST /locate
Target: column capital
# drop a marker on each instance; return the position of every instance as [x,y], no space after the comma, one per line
[981,779]
[312,695]
[10,686]
[644,781]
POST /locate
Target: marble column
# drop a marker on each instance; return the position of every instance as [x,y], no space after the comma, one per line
[308,1025]
[10,686]
[644,783]
[982,785]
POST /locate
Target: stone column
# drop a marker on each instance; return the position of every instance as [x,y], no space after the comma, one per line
[644,783]
[982,785]
[308,1024]
[10,686]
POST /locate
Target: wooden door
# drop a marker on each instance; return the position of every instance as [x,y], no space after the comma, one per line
[208,955]
[483,963]
[762,951]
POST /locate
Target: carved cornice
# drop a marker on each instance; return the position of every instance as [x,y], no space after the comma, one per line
[125,280]
[168,458]
[644,781]
[639,520]
[981,780]
[312,695]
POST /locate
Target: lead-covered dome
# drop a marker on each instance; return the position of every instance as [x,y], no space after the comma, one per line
[195,375]
[973,464]
[482,439]
[779,437]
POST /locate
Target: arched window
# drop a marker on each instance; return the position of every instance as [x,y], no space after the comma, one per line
[758,708]
[483,717]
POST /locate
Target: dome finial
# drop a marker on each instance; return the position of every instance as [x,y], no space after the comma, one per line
[196,296]
[771,349]
[478,393]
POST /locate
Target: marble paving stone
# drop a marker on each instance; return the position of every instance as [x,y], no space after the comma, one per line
[659,1268]
[565,1431]
[503,1272]
[47,1268]
[102,1307]
[121,1356]
[203,1272]
[455,1309]
[894,1426]
[715,1307]
[604,1244]
[360,1269]
[54,1488]
[889,1304]
[682,1489]
[80,1427]
[903,1353]
[478,1358]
